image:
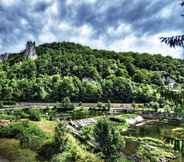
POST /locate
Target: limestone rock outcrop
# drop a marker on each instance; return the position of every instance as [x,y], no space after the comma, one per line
[28,53]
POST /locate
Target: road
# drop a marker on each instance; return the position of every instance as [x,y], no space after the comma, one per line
[116,107]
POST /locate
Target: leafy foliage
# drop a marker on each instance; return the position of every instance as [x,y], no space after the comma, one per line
[174,41]
[30,135]
[87,75]
[107,139]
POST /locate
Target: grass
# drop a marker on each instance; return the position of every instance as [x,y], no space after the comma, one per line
[148,148]
[11,150]
[46,126]
[120,120]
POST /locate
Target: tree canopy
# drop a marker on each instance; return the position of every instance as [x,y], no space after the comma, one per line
[88,75]
[177,40]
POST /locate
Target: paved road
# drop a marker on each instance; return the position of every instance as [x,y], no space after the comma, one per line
[116,107]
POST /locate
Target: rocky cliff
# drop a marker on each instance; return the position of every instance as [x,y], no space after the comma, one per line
[28,53]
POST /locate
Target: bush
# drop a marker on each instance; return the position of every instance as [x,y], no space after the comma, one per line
[99,105]
[11,150]
[107,140]
[65,105]
[8,102]
[47,151]
[117,119]
[74,153]
[108,105]
[80,113]
[30,135]
[6,116]
[34,115]
[87,132]
[1,105]
[103,107]
[19,114]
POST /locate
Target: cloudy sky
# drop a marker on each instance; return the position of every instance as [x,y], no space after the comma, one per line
[120,25]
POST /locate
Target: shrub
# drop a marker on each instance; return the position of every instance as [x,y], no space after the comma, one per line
[6,116]
[80,113]
[108,105]
[47,151]
[29,134]
[11,149]
[65,105]
[86,132]
[56,146]
[9,102]
[1,105]
[74,153]
[19,114]
[103,107]
[34,115]
[107,139]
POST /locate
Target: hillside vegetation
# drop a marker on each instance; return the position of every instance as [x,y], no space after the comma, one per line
[88,75]
[89,84]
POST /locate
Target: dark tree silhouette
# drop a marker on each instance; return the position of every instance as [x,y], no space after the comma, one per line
[177,40]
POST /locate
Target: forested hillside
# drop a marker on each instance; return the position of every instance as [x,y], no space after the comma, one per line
[88,75]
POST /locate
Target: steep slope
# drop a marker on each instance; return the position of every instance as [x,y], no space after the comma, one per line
[88,75]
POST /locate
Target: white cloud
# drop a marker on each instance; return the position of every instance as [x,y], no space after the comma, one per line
[120,30]
[53,9]
[7,2]
[93,43]
[89,1]
[85,31]
[46,36]
[24,22]
[64,26]
[73,2]
[166,12]
[69,2]
[52,27]
[150,44]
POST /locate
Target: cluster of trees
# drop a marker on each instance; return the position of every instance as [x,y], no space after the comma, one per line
[108,141]
[29,134]
[64,147]
[107,145]
[87,75]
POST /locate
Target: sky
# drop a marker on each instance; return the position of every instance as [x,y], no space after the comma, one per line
[119,25]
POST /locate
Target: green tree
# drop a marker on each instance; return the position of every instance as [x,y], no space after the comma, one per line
[60,138]
[66,104]
[107,139]
[34,115]
[122,89]
[91,90]
[174,41]
[130,68]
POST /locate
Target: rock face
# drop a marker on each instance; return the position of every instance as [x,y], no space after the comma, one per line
[4,57]
[30,51]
